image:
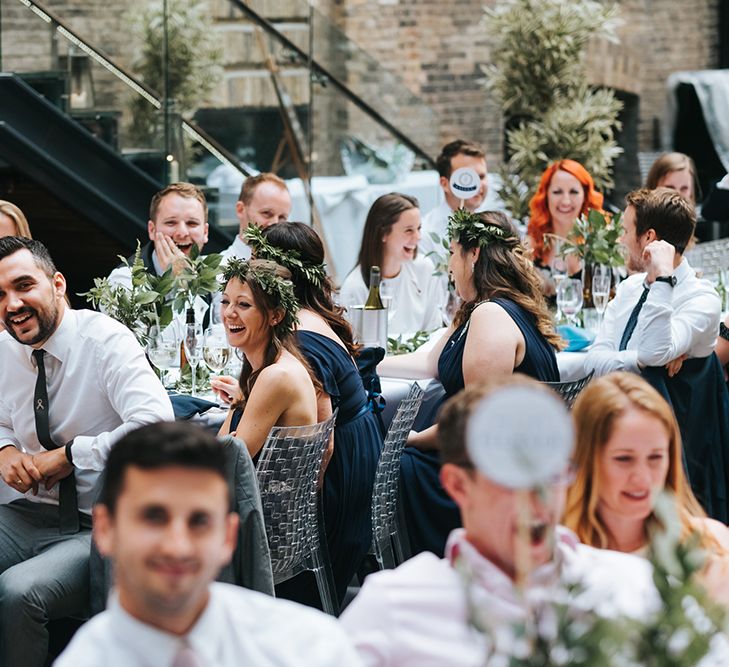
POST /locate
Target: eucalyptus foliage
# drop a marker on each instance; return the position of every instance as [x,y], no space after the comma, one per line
[594,238]
[144,305]
[197,277]
[152,300]
[538,72]
[194,59]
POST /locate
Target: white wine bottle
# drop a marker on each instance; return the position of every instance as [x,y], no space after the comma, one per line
[374,314]
[374,300]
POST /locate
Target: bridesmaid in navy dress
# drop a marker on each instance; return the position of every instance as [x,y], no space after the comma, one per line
[503,326]
[325,339]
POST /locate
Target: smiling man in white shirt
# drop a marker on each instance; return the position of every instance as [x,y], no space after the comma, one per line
[663,312]
[75,382]
[164,518]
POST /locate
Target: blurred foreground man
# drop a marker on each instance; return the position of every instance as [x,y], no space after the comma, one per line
[75,381]
[164,519]
[510,552]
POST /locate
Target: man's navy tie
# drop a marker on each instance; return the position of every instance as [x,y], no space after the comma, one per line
[633,320]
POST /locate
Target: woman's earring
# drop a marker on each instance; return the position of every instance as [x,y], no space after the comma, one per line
[473,267]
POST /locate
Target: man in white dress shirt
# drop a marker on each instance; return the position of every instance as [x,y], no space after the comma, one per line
[662,312]
[420,614]
[455,155]
[164,518]
[264,200]
[75,382]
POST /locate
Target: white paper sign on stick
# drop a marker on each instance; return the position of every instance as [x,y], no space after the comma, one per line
[520,437]
[465,183]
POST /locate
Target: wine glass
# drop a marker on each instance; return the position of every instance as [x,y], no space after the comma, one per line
[387,291]
[216,310]
[559,263]
[569,298]
[216,351]
[601,293]
[163,349]
[193,349]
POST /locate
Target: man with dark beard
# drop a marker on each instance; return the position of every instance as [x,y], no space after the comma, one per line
[74,383]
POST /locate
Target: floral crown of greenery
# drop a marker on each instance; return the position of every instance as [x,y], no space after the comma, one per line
[466,227]
[315,274]
[280,290]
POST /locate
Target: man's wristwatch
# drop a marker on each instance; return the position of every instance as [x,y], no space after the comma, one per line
[671,280]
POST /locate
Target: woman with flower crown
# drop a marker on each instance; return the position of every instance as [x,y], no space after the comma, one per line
[259,315]
[502,327]
[325,339]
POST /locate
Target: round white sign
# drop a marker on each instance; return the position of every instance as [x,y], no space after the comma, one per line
[465,183]
[520,437]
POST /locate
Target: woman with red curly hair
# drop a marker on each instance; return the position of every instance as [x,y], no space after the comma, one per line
[566,190]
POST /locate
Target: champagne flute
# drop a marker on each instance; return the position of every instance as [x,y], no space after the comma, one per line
[601,293]
[387,291]
[163,349]
[216,351]
[570,298]
[193,349]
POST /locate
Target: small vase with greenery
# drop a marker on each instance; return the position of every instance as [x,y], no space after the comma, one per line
[594,239]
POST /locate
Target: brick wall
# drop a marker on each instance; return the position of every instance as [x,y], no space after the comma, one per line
[435,48]
[438,49]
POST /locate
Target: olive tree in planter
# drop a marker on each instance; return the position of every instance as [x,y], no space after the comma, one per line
[538,72]
[193,61]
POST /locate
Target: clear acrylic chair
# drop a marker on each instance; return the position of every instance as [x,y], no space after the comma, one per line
[288,474]
[569,391]
[389,535]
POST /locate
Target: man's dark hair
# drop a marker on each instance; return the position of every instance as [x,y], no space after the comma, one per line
[457,147]
[160,445]
[9,245]
[672,217]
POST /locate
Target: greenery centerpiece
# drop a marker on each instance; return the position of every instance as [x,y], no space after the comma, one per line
[399,345]
[196,277]
[594,239]
[144,305]
[538,72]
[152,300]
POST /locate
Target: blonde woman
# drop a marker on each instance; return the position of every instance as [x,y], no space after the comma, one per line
[12,221]
[628,449]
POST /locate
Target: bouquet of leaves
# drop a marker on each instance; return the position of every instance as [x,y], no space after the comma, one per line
[594,239]
[197,277]
[439,256]
[400,346]
[140,307]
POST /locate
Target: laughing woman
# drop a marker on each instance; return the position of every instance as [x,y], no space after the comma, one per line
[259,313]
[390,241]
[325,340]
